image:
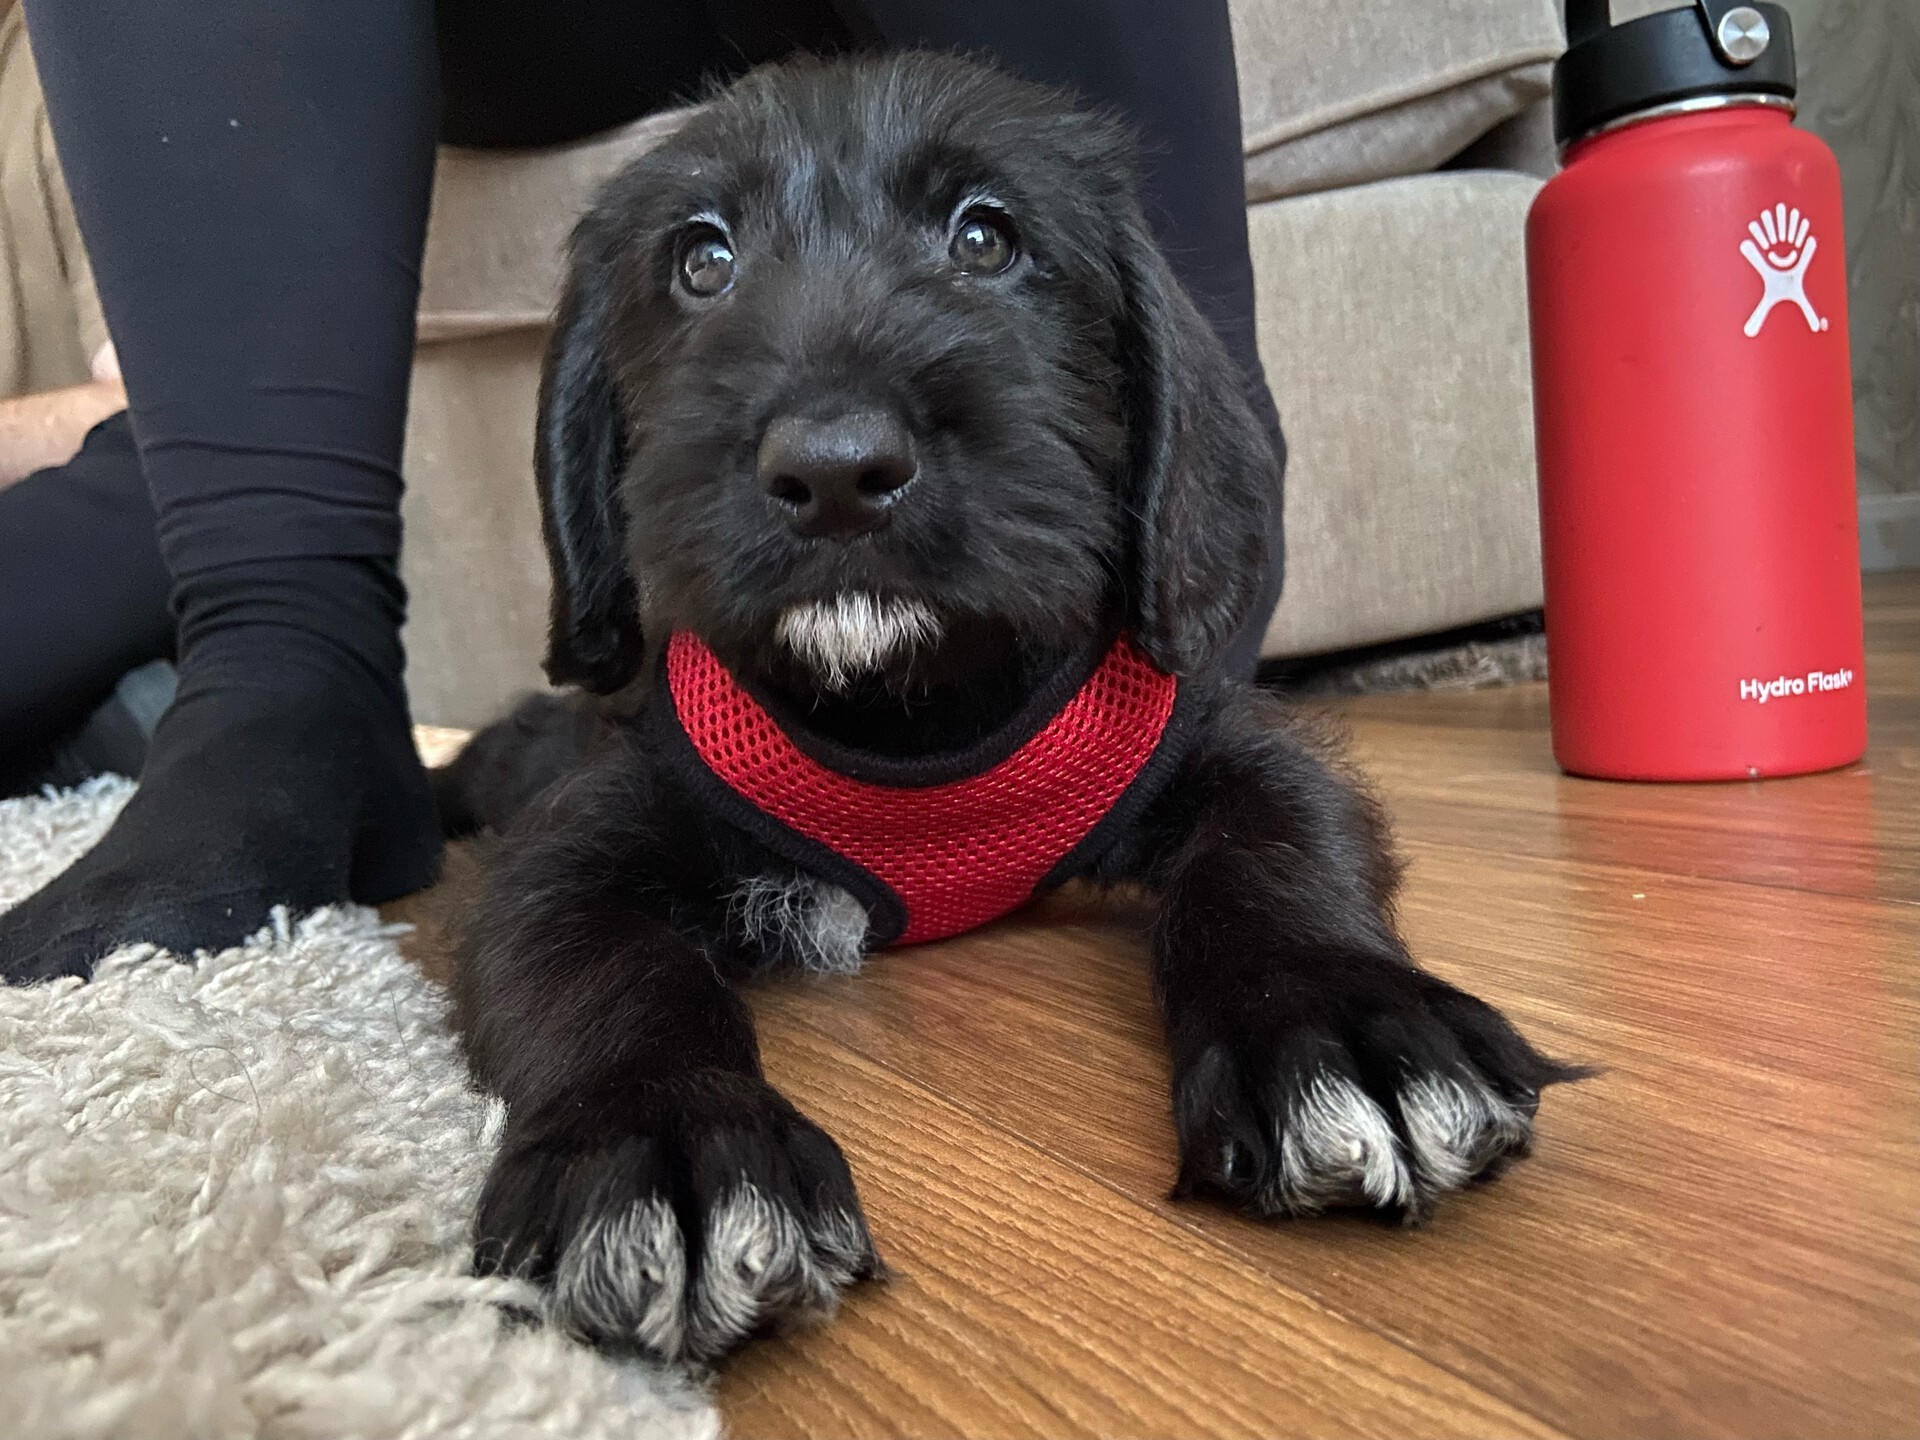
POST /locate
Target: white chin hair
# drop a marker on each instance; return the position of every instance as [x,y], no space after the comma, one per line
[853,635]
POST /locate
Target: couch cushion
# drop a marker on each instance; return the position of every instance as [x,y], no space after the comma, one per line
[1393,324]
[1340,94]
[50,321]
[497,232]
[475,567]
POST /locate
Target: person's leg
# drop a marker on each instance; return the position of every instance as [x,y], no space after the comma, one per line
[83,595]
[514,73]
[1168,68]
[252,184]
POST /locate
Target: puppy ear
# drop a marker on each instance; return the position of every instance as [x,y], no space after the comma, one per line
[580,459]
[1203,476]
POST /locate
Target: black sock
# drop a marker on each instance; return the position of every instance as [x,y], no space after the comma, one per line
[283,774]
[84,598]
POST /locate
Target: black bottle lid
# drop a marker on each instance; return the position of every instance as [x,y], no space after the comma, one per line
[1712,47]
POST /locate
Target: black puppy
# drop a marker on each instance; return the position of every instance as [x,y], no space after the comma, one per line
[871,388]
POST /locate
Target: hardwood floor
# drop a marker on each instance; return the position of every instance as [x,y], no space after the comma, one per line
[1719,1235]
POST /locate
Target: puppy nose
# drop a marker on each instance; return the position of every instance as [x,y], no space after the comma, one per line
[836,478]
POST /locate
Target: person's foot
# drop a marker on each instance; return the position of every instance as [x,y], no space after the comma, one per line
[283,774]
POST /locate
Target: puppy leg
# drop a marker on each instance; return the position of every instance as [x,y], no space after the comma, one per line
[503,769]
[1315,1065]
[673,1199]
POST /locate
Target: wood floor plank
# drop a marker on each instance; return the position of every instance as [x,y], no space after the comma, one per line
[1030,1300]
[1843,849]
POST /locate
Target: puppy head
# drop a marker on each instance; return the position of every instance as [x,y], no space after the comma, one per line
[876,358]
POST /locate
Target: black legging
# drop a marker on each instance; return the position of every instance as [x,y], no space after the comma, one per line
[252,182]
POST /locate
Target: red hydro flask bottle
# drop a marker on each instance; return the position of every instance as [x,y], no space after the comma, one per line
[1693,408]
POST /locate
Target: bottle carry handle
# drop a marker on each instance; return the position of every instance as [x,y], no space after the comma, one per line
[1738,33]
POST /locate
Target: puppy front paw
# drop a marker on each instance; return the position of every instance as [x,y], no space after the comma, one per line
[1385,1091]
[679,1219]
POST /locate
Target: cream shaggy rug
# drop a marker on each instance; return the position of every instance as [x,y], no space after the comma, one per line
[234,1198]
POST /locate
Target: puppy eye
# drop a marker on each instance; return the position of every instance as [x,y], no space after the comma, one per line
[983,245]
[706,264]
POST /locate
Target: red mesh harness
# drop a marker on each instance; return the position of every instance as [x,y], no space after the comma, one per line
[953,851]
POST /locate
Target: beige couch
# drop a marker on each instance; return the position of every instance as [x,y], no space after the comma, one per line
[1391,311]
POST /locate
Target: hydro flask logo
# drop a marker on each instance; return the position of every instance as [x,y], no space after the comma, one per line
[1781,250]
[1814,682]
